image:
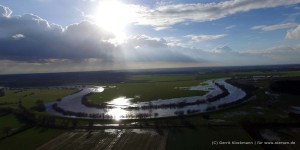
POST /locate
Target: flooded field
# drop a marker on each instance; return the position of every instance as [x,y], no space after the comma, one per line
[133,139]
[123,108]
[172,138]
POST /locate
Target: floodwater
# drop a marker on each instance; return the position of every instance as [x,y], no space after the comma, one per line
[133,139]
[119,105]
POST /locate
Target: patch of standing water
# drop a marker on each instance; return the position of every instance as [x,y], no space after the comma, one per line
[97,89]
[120,101]
[205,86]
[112,131]
[270,135]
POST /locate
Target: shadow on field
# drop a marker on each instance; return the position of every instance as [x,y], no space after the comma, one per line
[90,134]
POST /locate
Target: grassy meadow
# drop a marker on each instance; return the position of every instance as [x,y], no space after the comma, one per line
[202,138]
[28,97]
[29,139]
[149,87]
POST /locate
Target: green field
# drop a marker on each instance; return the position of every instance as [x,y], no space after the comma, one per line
[161,78]
[149,87]
[202,75]
[29,139]
[202,137]
[9,122]
[267,73]
[28,97]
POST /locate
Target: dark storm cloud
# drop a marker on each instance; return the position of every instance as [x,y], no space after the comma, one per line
[31,38]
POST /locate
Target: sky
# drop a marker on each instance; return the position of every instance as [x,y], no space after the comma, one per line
[88,35]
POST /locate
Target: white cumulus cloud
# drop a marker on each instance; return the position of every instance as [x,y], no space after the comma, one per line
[18,36]
[293,33]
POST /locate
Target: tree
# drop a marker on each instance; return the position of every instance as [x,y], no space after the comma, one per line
[40,106]
[2,93]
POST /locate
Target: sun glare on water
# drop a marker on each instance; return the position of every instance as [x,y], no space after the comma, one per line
[117,112]
[114,16]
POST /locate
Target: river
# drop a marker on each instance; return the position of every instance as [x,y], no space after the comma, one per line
[118,111]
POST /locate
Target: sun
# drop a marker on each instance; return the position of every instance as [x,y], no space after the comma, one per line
[114,16]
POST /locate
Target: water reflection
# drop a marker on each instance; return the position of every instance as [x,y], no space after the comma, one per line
[98,89]
[120,101]
[117,113]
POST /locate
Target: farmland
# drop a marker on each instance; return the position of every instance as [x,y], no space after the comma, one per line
[29,139]
[28,97]
[135,139]
[147,91]
[9,124]
[263,112]
[202,138]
